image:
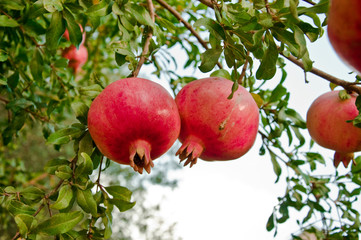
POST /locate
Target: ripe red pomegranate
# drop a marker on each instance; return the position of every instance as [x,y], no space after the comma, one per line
[327,123]
[77,57]
[133,121]
[214,127]
[344,30]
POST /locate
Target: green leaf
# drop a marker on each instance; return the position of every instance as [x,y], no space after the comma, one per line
[221,73]
[91,91]
[75,34]
[61,63]
[81,111]
[16,207]
[64,198]
[267,68]
[86,201]
[37,9]
[25,223]
[212,26]
[121,204]
[60,223]
[36,65]
[32,193]
[53,165]
[10,189]
[99,10]
[55,31]
[86,144]
[276,166]
[265,20]
[123,48]
[64,135]
[12,4]
[8,22]
[119,192]
[64,172]
[270,223]
[300,40]
[141,14]
[210,59]
[3,56]
[356,168]
[53,5]
[307,62]
[277,93]
[85,166]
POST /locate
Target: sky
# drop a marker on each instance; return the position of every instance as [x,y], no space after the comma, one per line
[233,199]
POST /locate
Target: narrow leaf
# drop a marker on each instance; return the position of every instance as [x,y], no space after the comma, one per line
[60,223]
[209,59]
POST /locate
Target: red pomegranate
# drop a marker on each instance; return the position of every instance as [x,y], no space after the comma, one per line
[133,121]
[77,57]
[328,124]
[214,127]
[344,30]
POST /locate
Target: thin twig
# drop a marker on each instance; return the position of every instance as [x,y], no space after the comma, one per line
[244,69]
[186,24]
[46,197]
[147,41]
[310,2]
[345,84]
[207,2]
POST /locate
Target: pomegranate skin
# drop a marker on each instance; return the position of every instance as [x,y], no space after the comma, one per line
[327,124]
[214,127]
[344,31]
[133,121]
[77,57]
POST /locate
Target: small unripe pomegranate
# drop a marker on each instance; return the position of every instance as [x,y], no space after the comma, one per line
[134,121]
[77,57]
[344,30]
[214,127]
[328,122]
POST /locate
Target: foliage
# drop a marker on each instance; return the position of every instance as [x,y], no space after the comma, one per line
[245,41]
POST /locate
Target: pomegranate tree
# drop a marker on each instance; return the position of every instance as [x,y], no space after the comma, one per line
[344,30]
[133,121]
[213,126]
[328,122]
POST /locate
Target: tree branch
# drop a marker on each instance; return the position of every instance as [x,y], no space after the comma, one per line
[207,2]
[310,2]
[147,41]
[345,84]
[186,24]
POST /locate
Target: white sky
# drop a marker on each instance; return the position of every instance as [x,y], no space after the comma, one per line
[233,200]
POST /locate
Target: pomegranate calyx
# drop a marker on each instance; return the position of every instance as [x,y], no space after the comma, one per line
[190,150]
[139,156]
[345,158]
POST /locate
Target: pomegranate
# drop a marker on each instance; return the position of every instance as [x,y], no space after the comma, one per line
[133,121]
[344,30]
[214,127]
[328,124]
[77,57]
